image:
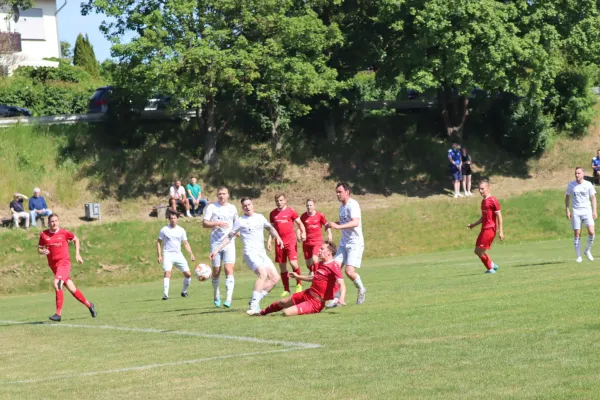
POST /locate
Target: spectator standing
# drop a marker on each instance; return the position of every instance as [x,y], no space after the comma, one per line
[17,210]
[177,197]
[466,171]
[596,168]
[455,157]
[194,192]
[37,207]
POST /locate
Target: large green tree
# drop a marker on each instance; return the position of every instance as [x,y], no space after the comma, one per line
[83,55]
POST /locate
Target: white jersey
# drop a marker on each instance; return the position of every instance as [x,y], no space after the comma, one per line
[251,230]
[580,194]
[215,212]
[172,238]
[351,236]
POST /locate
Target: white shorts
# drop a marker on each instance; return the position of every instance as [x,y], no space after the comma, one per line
[258,260]
[578,219]
[225,256]
[350,255]
[177,259]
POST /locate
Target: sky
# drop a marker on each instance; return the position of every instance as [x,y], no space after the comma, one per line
[71,23]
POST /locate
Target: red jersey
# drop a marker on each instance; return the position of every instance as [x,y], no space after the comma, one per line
[489,208]
[58,245]
[283,222]
[313,224]
[324,283]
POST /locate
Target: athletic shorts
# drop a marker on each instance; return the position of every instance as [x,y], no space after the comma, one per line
[350,255]
[485,238]
[225,256]
[455,173]
[307,304]
[310,250]
[581,219]
[258,260]
[289,252]
[177,259]
[62,272]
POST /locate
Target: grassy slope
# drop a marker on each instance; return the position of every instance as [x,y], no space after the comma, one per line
[433,327]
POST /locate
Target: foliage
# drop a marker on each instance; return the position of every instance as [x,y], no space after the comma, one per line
[65,49]
[22,4]
[64,73]
[84,57]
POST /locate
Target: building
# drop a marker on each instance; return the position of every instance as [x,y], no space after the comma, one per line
[30,36]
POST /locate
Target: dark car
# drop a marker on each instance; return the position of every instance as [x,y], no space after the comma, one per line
[102,97]
[99,101]
[12,111]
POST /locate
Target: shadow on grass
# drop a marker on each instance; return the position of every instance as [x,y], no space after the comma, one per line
[540,264]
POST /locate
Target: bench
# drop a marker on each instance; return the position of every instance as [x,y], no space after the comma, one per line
[42,219]
[8,222]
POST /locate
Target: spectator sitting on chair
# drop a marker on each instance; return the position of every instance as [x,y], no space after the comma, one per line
[596,168]
[17,210]
[177,197]
[197,203]
[37,207]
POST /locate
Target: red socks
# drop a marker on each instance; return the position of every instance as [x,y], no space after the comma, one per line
[271,309]
[298,281]
[79,296]
[486,260]
[60,297]
[285,279]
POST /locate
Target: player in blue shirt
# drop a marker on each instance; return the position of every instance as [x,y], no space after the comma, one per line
[455,157]
[596,168]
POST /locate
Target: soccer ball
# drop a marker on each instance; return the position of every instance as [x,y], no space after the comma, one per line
[202,272]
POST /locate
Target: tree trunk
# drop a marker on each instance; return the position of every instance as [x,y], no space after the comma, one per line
[330,126]
[455,111]
[211,133]
[276,137]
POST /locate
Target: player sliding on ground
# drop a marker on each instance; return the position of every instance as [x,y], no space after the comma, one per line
[491,219]
[251,226]
[54,243]
[326,280]
[583,212]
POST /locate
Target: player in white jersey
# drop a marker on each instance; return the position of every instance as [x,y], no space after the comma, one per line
[250,226]
[352,245]
[584,211]
[172,236]
[220,217]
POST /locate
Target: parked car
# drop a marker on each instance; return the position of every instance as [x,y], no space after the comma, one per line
[102,97]
[12,111]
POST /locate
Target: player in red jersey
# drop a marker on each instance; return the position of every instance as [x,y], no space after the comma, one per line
[326,281]
[54,243]
[313,222]
[283,219]
[491,220]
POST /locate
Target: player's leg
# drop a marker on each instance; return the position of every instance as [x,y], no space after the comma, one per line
[278,305]
[353,261]
[281,259]
[576,225]
[60,298]
[341,256]
[483,243]
[309,306]
[296,268]
[228,263]
[485,259]
[167,267]
[216,278]
[259,284]
[70,285]
[181,263]
[272,278]
[591,236]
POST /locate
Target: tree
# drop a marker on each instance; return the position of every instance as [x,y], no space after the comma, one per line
[65,49]
[83,55]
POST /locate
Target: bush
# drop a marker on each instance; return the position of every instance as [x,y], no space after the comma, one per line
[64,73]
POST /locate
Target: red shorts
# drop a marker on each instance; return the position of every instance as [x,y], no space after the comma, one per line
[289,252]
[61,272]
[485,238]
[307,304]
[310,250]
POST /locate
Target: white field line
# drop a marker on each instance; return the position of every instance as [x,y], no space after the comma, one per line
[288,346]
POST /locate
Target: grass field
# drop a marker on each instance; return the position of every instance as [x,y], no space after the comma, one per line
[433,327]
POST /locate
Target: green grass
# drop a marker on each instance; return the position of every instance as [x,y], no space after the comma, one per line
[433,327]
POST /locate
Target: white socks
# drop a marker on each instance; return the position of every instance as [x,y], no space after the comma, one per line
[186,283]
[358,283]
[577,247]
[215,284]
[166,286]
[590,242]
[256,296]
[229,285]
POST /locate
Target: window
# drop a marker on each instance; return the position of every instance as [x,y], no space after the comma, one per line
[31,24]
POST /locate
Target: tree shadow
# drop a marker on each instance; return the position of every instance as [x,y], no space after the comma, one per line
[540,264]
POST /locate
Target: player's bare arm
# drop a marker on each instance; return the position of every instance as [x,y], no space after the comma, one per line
[473,225]
[273,233]
[500,229]
[353,223]
[594,212]
[77,246]
[214,224]
[342,299]
[159,250]
[43,250]
[188,248]
[567,198]
[269,244]
[305,278]
[329,233]
[300,225]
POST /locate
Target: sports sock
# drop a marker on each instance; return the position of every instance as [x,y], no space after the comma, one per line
[166,286]
[577,244]
[79,296]
[590,242]
[274,307]
[186,284]
[215,285]
[60,297]
[487,262]
[256,296]
[358,283]
[285,279]
[263,294]
[298,281]
[229,285]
